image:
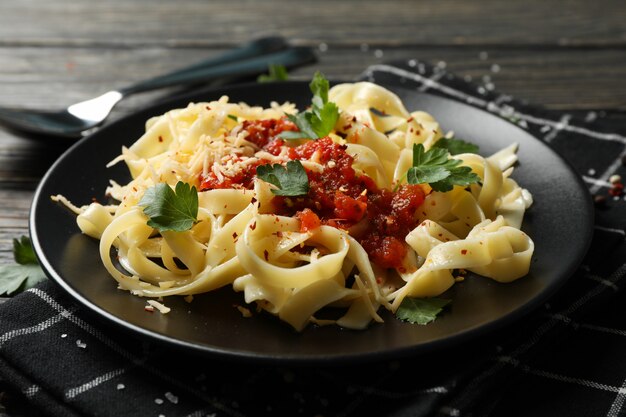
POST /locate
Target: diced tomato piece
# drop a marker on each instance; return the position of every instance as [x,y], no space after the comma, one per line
[308,220]
[349,208]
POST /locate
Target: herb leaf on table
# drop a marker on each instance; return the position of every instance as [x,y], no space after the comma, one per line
[25,274]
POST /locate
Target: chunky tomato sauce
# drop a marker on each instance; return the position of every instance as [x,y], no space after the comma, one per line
[379,219]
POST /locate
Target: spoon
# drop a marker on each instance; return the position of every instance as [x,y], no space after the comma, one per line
[80,118]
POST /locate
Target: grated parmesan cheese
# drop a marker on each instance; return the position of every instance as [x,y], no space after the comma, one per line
[162,308]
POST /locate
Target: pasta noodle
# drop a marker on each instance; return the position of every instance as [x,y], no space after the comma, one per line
[360,240]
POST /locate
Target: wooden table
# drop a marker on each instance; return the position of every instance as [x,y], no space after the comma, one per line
[567,55]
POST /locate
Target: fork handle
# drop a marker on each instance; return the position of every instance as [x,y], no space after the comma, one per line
[253,58]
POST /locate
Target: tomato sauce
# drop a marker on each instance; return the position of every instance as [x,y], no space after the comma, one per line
[378,218]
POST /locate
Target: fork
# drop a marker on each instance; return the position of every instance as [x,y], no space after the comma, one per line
[81,118]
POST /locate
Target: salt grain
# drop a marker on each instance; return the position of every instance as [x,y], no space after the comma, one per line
[171,397]
[591,171]
[80,344]
[495,68]
[120,386]
[158,401]
[64,335]
[378,53]
[591,116]
[323,47]
[483,55]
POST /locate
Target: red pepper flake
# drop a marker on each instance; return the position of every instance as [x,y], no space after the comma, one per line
[235,235]
[208,108]
[379,280]
[266,255]
[347,127]
[94,200]
[617,189]
[464,252]
[160,138]
[254,200]
[253,226]
[409,120]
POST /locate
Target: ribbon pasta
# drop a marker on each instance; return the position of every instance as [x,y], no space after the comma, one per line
[239,238]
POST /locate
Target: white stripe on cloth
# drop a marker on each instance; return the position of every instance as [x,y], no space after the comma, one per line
[559,377]
[73,392]
[596,182]
[602,281]
[611,230]
[559,127]
[32,329]
[129,356]
[618,403]
[31,391]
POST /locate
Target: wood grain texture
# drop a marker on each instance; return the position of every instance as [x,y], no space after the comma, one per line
[58,76]
[227,22]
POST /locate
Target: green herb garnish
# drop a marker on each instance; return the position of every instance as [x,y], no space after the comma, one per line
[456,146]
[171,210]
[435,168]
[320,119]
[23,275]
[276,73]
[232,117]
[290,180]
[420,310]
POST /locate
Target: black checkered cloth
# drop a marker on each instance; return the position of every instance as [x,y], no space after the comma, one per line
[565,359]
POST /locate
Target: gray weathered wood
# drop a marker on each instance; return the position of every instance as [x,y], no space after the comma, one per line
[227,22]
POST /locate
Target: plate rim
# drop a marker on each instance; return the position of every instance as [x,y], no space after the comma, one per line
[427,347]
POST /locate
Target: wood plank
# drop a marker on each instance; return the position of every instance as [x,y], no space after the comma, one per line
[224,22]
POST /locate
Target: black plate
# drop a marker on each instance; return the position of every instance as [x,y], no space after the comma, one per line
[559,222]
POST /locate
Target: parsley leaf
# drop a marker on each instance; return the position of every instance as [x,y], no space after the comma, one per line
[420,310]
[290,180]
[168,209]
[23,251]
[23,275]
[320,119]
[435,168]
[276,73]
[456,146]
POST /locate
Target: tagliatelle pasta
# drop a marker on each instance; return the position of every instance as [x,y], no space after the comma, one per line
[360,238]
